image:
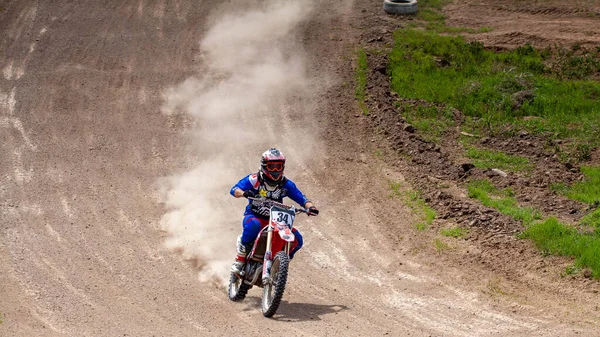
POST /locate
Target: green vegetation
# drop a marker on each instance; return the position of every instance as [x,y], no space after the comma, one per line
[502,200]
[431,121]
[551,93]
[500,92]
[455,232]
[430,15]
[552,237]
[488,159]
[441,246]
[592,220]
[361,80]
[575,63]
[436,4]
[414,201]
[570,270]
[549,235]
[587,191]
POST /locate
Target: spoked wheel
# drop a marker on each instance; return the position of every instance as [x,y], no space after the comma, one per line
[237,288]
[273,291]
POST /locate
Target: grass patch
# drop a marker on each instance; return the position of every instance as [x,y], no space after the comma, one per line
[456,232]
[416,203]
[361,80]
[501,200]
[441,246]
[575,62]
[570,270]
[552,237]
[500,92]
[588,190]
[549,235]
[430,121]
[592,220]
[436,4]
[430,15]
[488,159]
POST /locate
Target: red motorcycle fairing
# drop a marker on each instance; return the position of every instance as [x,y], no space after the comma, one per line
[278,243]
[285,233]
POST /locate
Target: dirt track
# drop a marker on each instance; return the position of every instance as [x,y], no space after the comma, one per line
[84,142]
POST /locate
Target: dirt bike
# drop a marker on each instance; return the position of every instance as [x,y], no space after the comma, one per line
[267,264]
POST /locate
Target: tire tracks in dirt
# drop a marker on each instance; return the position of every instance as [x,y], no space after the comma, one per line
[515,23]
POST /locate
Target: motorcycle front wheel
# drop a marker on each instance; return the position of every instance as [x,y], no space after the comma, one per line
[273,290]
[237,288]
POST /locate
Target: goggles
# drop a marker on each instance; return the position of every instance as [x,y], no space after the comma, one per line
[275,167]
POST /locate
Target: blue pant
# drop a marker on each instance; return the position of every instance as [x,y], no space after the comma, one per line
[252,226]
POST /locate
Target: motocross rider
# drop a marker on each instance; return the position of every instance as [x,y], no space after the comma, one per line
[268,183]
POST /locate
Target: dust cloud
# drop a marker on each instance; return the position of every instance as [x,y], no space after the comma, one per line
[252,93]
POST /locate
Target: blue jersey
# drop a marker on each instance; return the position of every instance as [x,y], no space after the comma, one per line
[252,182]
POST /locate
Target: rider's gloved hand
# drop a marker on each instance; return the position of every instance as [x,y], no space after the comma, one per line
[312,210]
[249,194]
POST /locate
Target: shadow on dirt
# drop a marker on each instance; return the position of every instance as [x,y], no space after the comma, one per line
[298,312]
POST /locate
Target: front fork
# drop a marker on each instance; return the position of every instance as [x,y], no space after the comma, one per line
[268,262]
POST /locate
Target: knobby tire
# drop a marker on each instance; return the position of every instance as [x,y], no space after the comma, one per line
[242,289]
[269,309]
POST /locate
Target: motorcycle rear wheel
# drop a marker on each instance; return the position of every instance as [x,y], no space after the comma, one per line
[237,288]
[273,291]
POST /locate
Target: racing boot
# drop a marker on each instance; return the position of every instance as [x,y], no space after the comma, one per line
[240,259]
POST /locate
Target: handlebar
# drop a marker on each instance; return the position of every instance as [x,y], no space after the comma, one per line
[275,203]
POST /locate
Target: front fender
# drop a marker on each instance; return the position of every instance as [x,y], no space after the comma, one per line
[286,234]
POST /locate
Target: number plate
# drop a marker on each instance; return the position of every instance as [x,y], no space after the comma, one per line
[282,216]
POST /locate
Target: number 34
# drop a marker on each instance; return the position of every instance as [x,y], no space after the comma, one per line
[283,217]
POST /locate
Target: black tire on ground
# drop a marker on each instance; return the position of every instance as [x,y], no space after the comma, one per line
[279,271]
[400,6]
[237,289]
